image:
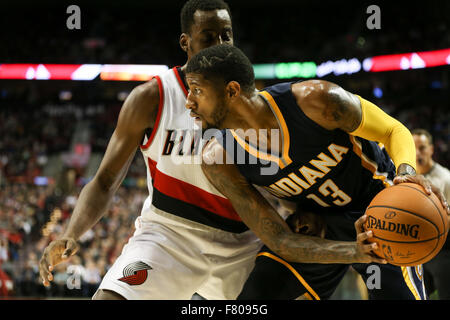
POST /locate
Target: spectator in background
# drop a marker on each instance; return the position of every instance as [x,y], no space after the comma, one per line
[5,280]
[3,249]
[437,276]
[26,280]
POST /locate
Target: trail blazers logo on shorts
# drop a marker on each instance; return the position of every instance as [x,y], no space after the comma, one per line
[135,273]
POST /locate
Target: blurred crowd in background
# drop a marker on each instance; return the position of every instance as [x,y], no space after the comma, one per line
[267,31]
[38,121]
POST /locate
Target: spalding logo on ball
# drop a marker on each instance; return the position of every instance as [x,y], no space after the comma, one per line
[400,228]
[409,226]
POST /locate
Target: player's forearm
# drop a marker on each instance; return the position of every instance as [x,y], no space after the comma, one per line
[96,196]
[293,247]
[273,231]
[92,204]
[310,249]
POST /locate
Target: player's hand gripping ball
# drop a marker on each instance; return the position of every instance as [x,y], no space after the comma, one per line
[409,226]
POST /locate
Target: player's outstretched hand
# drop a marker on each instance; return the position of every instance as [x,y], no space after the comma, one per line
[56,252]
[426,184]
[364,251]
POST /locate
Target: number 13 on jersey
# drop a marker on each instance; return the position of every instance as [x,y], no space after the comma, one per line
[329,188]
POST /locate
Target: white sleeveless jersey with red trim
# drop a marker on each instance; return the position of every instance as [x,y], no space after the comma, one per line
[177,186]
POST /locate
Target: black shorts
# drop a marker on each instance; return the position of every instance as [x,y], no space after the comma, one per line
[275,278]
[437,275]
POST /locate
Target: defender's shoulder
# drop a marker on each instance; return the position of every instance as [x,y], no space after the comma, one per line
[143,102]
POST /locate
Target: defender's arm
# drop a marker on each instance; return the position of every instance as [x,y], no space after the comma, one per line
[138,113]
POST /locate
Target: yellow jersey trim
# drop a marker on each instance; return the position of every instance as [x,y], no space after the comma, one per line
[297,275]
[255,152]
[409,283]
[285,160]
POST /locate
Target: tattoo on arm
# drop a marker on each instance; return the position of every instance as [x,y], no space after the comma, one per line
[311,249]
[260,217]
[343,108]
[253,209]
[271,227]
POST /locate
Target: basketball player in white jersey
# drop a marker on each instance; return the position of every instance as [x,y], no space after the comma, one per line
[188,238]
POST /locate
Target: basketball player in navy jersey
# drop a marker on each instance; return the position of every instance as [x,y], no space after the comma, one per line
[327,162]
[188,239]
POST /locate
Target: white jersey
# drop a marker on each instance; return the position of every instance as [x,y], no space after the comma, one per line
[176,183]
[440,177]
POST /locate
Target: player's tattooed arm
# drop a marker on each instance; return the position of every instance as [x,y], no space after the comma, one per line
[328,104]
[253,209]
[267,224]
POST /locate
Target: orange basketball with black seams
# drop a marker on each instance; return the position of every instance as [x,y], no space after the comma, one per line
[409,226]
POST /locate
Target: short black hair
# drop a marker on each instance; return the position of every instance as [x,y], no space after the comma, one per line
[226,62]
[189,8]
[420,131]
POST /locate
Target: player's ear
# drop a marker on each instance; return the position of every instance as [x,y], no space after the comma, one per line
[184,42]
[233,89]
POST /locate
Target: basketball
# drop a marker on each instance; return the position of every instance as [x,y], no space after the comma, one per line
[409,226]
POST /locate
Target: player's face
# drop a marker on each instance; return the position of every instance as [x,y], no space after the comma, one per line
[209,28]
[424,150]
[206,100]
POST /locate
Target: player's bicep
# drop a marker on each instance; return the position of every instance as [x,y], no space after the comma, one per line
[116,161]
[134,117]
[328,104]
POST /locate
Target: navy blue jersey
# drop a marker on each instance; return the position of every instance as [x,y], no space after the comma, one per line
[328,172]
[322,170]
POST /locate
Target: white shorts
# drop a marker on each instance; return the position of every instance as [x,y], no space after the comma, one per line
[168,258]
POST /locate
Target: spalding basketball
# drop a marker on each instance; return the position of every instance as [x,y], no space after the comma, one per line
[409,226]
